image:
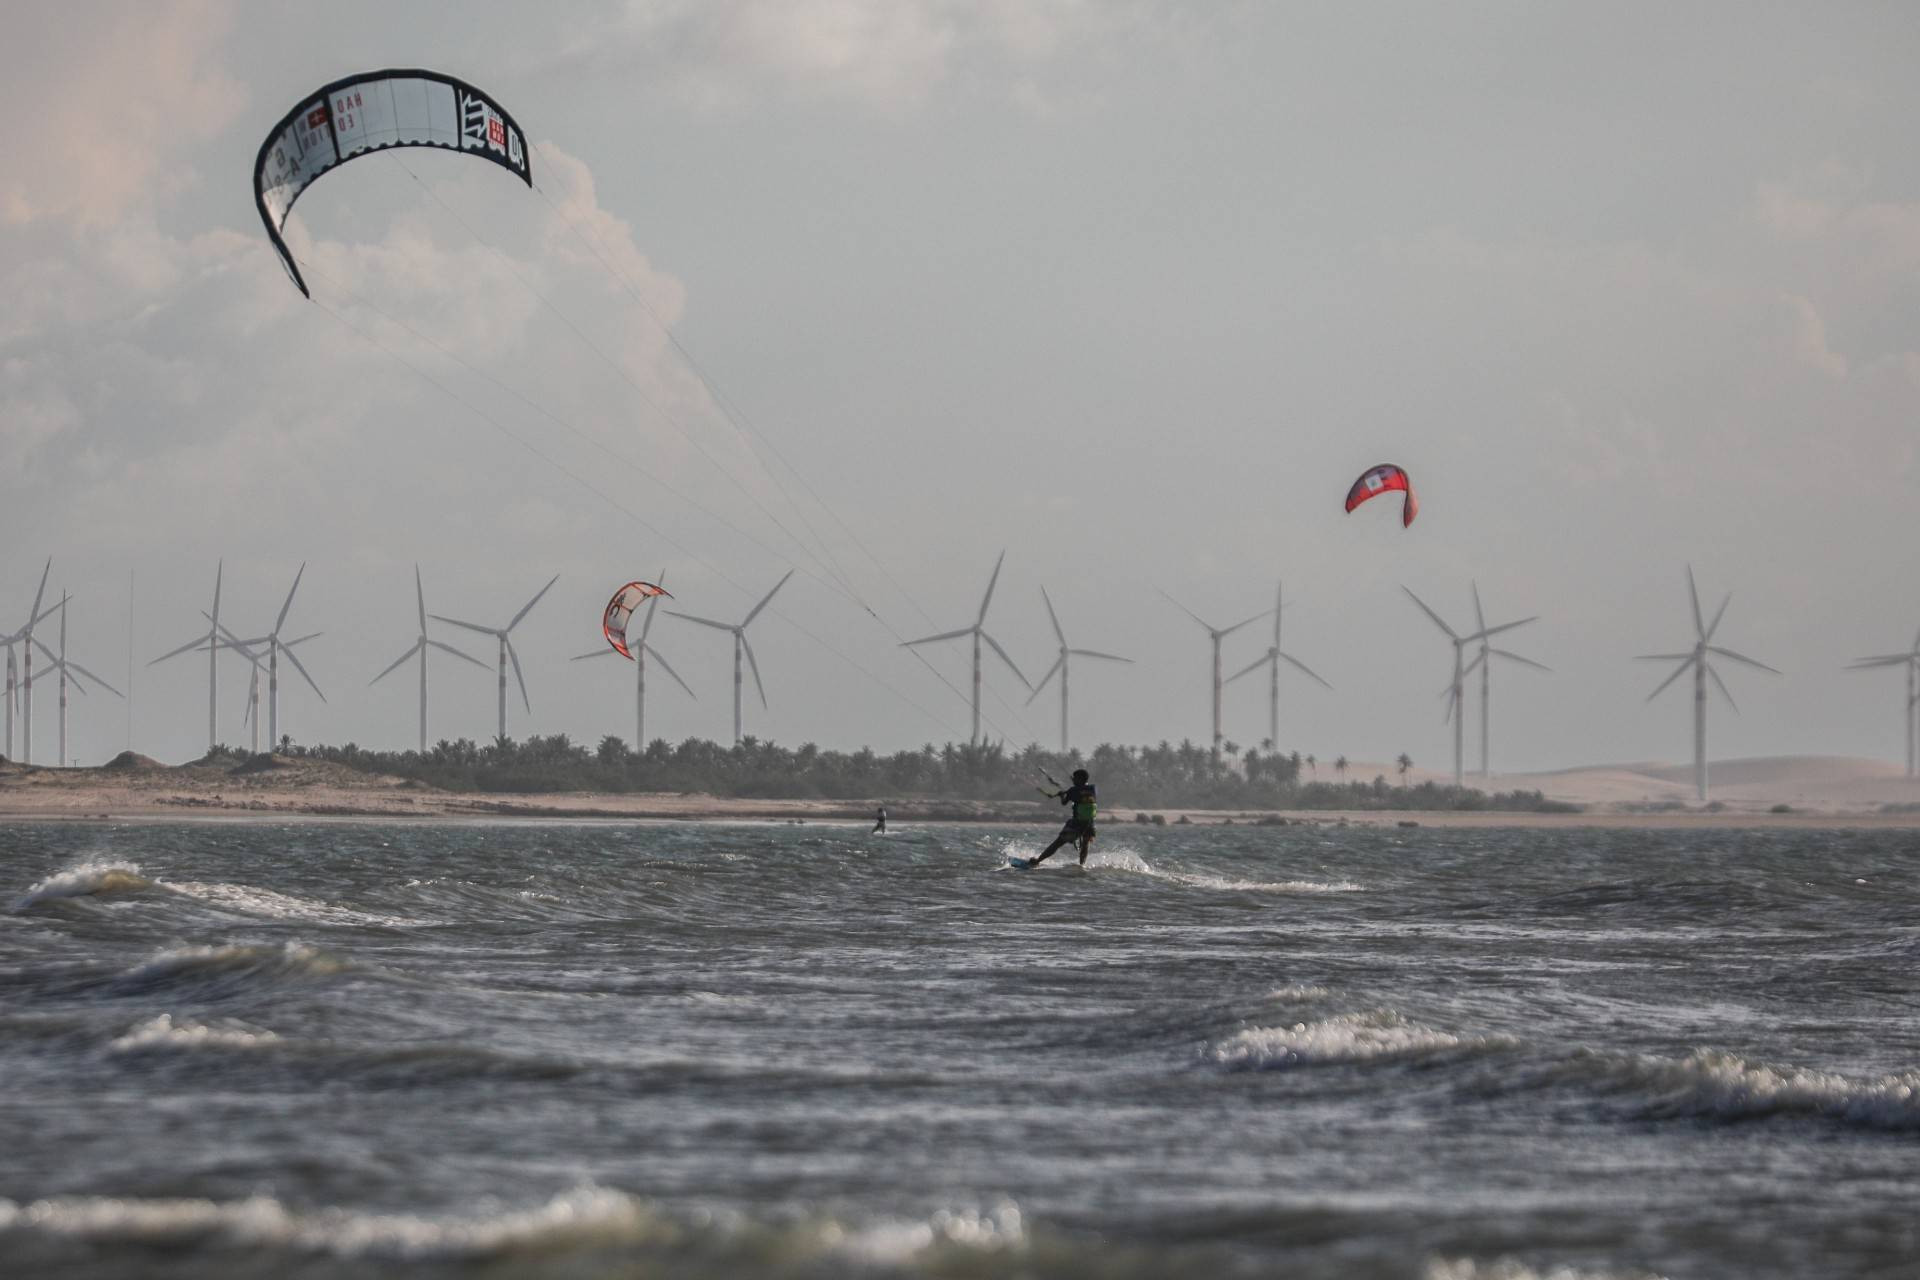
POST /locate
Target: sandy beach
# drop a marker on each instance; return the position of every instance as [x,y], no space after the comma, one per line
[1785,792]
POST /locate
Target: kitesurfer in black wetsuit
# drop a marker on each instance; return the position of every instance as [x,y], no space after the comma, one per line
[880,821]
[1080,826]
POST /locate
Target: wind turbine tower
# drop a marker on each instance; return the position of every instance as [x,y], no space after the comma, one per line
[1484,661]
[1911,661]
[211,643]
[24,636]
[66,668]
[506,649]
[275,647]
[978,633]
[1217,634]
[1456,688]
[740,647]
[1061,665]
[1272,660]
[641,649]
[1695,659]
[248,650]
[420,646]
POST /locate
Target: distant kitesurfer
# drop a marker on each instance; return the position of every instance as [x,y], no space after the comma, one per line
[880,821]
[1079,826]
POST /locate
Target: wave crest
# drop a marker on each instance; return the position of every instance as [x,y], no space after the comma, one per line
[1711,1084]
[163,1033]
[240,961]
[1344,1039]
[90,879]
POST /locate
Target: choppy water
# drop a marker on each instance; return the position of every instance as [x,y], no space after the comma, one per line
[579,1050]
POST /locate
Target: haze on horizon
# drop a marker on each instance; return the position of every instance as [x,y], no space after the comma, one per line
[1132,291]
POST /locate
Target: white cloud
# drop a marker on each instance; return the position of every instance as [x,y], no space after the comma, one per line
[98,117]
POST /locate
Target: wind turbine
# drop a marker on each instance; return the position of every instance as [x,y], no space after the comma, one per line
[641,649]
[740,646]
[1696,660]
[275,647]
[24,636]
[1484,661]
[506,649]
[1911,661]
[247,649]
[1456,688]
[1217,634]
[978,632]
[1060,664]
[65,667]
[420,646]
[211,643]
[1274,656]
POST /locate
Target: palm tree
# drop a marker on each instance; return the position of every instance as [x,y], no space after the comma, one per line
[1313,765]
[1340,768]
[1405,762]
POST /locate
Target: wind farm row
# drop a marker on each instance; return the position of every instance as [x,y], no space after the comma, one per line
[1473,648]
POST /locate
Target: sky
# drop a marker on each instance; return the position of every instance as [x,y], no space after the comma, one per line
[873,290]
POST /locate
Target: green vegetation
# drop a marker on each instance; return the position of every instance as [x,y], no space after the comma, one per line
[1155,777]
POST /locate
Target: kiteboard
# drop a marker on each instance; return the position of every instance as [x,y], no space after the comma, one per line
[1020,864]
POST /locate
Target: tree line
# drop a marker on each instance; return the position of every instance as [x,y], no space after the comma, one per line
[1162,776]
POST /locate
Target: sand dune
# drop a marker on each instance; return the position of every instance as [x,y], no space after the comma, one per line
[1821,784]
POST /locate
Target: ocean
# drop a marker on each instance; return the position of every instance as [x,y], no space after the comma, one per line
[707,1050]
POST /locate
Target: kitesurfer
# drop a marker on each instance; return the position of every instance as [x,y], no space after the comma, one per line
[880,821]
[1079,826]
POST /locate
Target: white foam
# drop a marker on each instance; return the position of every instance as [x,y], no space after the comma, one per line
[163,1033]
[273,905]
[178,961]
[83,881]
[583,1218]
[1709,1082]
[1346,1038]
[1513,1269]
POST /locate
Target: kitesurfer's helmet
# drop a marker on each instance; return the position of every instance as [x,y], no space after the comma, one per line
[1079,775]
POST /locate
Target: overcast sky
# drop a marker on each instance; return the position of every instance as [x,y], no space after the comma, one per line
[1130,290]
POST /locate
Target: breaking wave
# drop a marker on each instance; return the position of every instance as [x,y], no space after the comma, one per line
[228,965]
[1709,1084]
[586,1219]
[163,1033]
[90,879]
[1512,1269]
[1343,1039]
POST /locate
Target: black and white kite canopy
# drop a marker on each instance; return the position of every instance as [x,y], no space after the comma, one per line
[372,112]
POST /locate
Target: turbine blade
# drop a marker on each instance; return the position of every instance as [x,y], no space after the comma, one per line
[527,608]
[471,626]
[755,667]
[646,624]
[1046,679]
[1244,622]
[705,622]
[1511,656]
[1308,670]
[1881,660]
[1693,598]
[767,597]
[1430,613]
[514,654]
[396,664]
[311,635]
[1054,618]
[1719,614]
[1663,657]
[1740,657]
[34,612]
[1252,667]
[1479,616]
[420,598]
[299,666]
[987,599]
[666,667]
[1721,685]
[219,571]
[1011,665]
[1677,673]
[447,648]
[194,643]
[1095,653]
[96,679]
[605,651]
[1190,613]
[281,621]
[1478,658]
[944,635]
[1486,632]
